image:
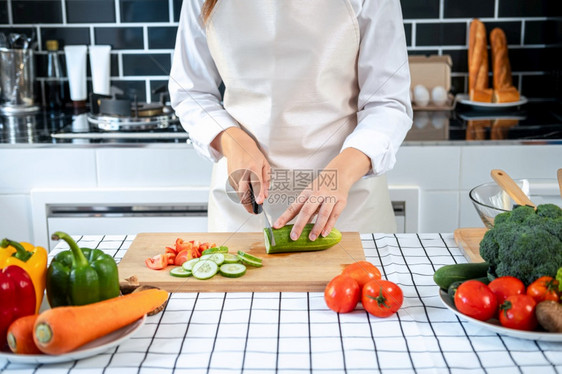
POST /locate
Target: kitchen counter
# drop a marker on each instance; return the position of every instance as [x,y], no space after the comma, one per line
[537,122]
[297,333]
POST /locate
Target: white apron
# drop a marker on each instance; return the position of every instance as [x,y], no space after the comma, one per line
[290,72]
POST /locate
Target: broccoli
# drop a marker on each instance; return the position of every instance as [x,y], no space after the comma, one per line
[525,243]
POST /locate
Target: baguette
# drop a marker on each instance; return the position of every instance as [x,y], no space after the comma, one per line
[504,91]
[478,62]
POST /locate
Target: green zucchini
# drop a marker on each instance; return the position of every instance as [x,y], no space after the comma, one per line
[284,243]
[446,275]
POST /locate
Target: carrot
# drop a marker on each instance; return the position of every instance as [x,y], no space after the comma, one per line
[63,329]
[20,335]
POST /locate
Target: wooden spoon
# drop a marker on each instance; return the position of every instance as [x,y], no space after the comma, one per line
[559,173]
[512,189]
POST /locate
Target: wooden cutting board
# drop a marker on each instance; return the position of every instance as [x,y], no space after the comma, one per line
[284,272]
[468,240]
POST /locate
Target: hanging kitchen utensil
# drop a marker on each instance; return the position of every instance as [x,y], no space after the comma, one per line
[512,189]
[559,174]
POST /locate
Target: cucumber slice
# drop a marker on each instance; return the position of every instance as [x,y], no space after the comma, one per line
[217,258]
[221,249]
[248,261]
[188,265]
[229,258]
[232,270]
[249,256]
[180,272]
[205,269]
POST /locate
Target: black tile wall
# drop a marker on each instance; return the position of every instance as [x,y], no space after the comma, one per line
[146,64]
[144,11]
[90,11]
[473,8]
[142,35]
[414,9]
[162,37]
[66,36]
[4,11]
[543,32]
[440,34]
[120,37]
[36,11]
[529,8]
[177,9]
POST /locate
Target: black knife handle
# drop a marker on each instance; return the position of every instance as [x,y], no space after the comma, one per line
[255,206]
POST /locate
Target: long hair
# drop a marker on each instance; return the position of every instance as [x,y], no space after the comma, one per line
[207,8]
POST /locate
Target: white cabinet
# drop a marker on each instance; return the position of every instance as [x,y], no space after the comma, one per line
[430,181]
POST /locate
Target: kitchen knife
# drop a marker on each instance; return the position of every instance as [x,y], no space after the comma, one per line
[258,208]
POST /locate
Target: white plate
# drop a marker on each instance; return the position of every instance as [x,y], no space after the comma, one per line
[91,349]
[494,324]
[464,99]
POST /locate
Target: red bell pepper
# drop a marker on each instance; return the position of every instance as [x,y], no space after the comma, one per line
[17,298]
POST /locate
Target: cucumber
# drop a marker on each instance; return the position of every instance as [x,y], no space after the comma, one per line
[446,275]
[232,270]
[218,258]
[248,261]
[284,243]
[230,258]
[249,256]
[188,265]
[180,272]
[221,249]
[205,269]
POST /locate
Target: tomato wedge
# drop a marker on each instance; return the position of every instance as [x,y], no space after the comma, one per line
[157,262]
[182,257]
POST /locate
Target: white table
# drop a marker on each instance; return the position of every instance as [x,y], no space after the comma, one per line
[297,333]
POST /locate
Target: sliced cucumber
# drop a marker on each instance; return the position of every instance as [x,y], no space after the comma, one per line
[232,270]
[179,271]
[205,269]
[248,261]
[188,265]
[221,249]
[249,256]
[229,258]
[217,258]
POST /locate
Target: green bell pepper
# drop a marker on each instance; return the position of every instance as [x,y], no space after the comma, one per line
[80,276]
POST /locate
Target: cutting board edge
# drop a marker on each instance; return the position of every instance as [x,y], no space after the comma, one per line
[468,240]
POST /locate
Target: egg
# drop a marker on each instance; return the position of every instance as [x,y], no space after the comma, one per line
[421,95]
[439,96]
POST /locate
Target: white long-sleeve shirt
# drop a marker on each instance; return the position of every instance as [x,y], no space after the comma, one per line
[384,110]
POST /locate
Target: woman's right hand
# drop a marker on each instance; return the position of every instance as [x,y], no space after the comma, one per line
[246,164]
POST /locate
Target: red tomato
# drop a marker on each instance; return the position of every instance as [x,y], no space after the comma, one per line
[506,286]
[342,294]
[157,262]
[475,299]
[382,298]
[518,312]
[182,257]
[362,272]
[544,288]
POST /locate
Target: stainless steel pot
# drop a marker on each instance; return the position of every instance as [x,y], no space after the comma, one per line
[17,79]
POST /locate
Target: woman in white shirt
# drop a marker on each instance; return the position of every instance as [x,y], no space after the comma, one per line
[315,107]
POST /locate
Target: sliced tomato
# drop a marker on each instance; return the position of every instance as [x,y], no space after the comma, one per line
[157,262]
[182,257]
[170,258]
[170,250]
[181,245]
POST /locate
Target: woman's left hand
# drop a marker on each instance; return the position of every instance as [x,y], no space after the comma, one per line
[326,200]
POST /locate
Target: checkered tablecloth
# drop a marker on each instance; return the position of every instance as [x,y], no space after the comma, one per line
[296,333]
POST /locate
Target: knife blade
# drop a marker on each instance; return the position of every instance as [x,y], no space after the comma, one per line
[258,208]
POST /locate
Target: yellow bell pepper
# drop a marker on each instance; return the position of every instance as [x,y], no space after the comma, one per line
[31,259]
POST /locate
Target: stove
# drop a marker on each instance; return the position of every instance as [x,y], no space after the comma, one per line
[138,123]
